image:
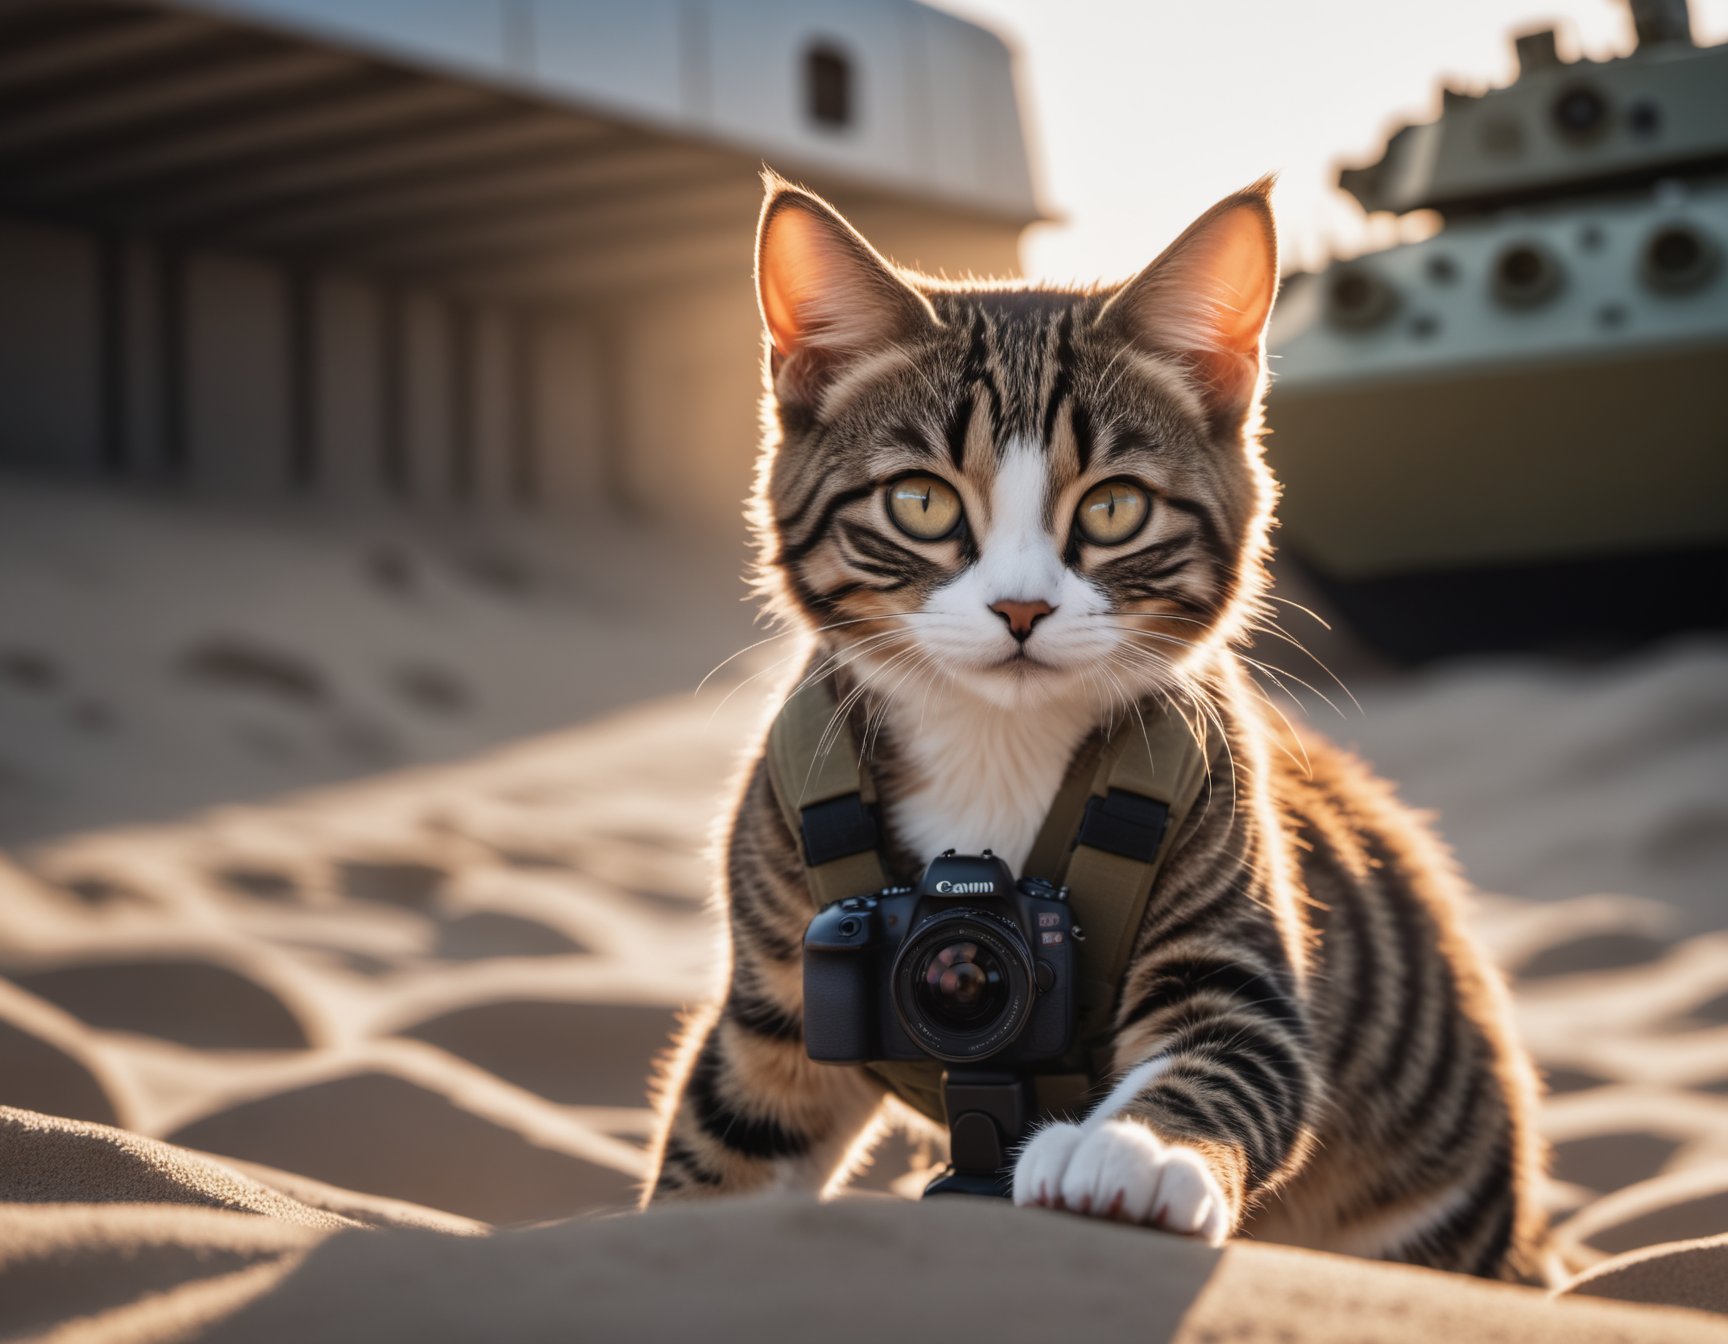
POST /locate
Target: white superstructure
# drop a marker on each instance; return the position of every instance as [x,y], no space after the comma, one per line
[927,102]
[468,251]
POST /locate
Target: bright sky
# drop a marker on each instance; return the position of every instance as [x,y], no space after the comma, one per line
[1142,113]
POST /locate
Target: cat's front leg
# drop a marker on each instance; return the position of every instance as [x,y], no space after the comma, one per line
[744,1107]
[1115,1166]
[752,1113]
[1215,1109]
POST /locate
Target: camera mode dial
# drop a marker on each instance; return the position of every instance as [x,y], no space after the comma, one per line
[1042,889]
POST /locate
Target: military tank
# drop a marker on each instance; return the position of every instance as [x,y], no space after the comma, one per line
[1514,433]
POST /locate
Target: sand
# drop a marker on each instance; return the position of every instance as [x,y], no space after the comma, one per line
[372,1034]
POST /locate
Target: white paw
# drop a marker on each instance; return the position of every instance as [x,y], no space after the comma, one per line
[1120,1169]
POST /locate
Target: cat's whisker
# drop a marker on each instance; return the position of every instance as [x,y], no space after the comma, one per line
[1302,762]
[1203,700]
[909,660]
[1272,628]
[1165,671]
[1306,611]
[795,632]
[827,668]
[788,633]
[846,655]
[880,716]
[831,730]
[1275,673]
[733,657]
[1133,706]
[815,675]
[830,735]
[1261,622]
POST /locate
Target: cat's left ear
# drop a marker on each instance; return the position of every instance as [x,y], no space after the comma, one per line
[827,296]
[1207,299]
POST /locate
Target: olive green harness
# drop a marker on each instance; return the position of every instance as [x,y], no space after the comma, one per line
[1105,837]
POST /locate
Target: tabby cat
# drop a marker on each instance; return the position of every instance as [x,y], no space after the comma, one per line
[1013,517]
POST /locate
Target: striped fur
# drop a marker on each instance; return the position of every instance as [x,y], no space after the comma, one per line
[1311,1049]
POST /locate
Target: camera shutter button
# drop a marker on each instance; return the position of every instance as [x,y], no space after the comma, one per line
[1045,974]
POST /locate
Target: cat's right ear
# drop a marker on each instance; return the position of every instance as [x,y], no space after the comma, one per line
[826,295]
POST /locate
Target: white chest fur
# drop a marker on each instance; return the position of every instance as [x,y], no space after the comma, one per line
[984,776]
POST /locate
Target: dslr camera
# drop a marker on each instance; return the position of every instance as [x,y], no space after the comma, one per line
[966,965]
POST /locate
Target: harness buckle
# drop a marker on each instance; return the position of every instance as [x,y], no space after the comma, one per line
[1124,823]
[838,828]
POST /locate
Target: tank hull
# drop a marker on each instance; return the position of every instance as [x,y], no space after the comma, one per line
[1467,466]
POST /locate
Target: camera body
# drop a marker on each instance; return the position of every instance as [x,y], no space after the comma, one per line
[966,965]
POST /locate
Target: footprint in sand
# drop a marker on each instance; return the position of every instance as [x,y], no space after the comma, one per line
[30,670]
[497,572]
[1613,1160]
[238,664]
[101,893]
[1675,1207]
[388,1135]
[265,884]
[481,934]
[1713,1012]
[393,569]
[576,1054]
[365,739]
[92,716]
[533,860]
[44,1065]
[432,690]
[389,883]
[197,1003]
[267,741]
[1592,952]
[1559,1081]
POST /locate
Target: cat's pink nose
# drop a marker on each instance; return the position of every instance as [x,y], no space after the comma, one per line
[1020,617]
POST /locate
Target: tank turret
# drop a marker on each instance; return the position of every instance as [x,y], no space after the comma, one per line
[1563,126]
[1477,431]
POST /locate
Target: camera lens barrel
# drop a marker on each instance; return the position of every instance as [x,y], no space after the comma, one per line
[963,985]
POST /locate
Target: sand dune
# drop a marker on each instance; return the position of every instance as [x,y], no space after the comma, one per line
[381,1132]
[446,987]
[233,1259]
[1692,1271]
[423,988]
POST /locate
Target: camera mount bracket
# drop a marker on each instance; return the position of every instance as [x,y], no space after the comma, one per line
[988,1112]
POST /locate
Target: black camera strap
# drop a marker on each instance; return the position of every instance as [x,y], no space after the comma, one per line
[826,797]
[1131,805]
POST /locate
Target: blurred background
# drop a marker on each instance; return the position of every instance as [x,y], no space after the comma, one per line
[379,384]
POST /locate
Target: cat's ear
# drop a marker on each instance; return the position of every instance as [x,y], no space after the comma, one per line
[826,294]
[1207,300]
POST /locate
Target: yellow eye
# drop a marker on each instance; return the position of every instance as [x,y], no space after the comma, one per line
[923,507]
[1111,513]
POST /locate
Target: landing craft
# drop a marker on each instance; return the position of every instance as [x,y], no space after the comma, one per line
[1515,432]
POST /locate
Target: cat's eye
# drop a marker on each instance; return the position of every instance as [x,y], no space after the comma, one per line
[923,507]
[1112,513]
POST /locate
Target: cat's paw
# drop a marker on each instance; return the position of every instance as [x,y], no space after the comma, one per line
[1122,1170]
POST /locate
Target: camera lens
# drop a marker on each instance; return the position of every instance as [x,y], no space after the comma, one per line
[962,985]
